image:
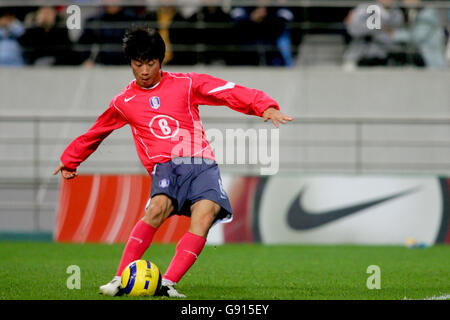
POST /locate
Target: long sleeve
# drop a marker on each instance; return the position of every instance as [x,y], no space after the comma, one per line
[208,90]
[83,146]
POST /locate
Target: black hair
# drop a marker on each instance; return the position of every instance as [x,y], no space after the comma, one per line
[144,44]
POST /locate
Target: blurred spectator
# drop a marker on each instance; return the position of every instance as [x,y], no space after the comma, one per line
[264,35]
[424,33]
[184,33]
[163,16]
[216,35]
[46,40]
[177,26]
[10,30]
[372,47]
[103,34]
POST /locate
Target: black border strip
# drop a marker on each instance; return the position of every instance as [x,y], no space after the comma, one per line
[224,309]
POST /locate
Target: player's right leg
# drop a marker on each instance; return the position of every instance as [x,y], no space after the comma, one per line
[140,239]
[189,247]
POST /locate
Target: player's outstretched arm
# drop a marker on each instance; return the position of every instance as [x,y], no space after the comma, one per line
[65,172]
[276,116]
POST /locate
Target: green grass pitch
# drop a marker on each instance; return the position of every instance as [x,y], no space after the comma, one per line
[37,270]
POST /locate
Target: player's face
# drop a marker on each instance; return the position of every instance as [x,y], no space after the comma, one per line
[146,72]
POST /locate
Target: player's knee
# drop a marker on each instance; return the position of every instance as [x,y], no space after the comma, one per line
[202,224]
[206,221]
[156,213]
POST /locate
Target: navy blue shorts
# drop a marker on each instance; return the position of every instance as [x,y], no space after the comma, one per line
[186,182]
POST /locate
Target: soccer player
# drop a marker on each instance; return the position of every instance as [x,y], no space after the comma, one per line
[162,110]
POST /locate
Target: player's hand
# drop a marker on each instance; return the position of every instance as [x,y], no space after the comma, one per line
[65,172]
[276,116]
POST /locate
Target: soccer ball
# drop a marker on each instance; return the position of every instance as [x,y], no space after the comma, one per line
[141,278]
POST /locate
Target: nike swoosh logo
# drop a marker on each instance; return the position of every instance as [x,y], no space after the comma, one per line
[299,218]
[128,99]
[228,85]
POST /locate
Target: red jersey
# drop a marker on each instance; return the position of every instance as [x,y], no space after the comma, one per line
[164,119]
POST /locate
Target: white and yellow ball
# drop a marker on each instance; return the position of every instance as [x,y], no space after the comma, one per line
[141,278]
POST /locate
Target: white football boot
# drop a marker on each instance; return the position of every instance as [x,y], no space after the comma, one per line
[112,288]
[168,290]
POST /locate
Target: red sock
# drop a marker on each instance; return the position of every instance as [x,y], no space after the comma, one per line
[140,238]
[187,251]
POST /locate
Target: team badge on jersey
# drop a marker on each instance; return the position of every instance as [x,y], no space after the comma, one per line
[155,103]
[164,183]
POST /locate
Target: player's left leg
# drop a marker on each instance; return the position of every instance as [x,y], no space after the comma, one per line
[189,247]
